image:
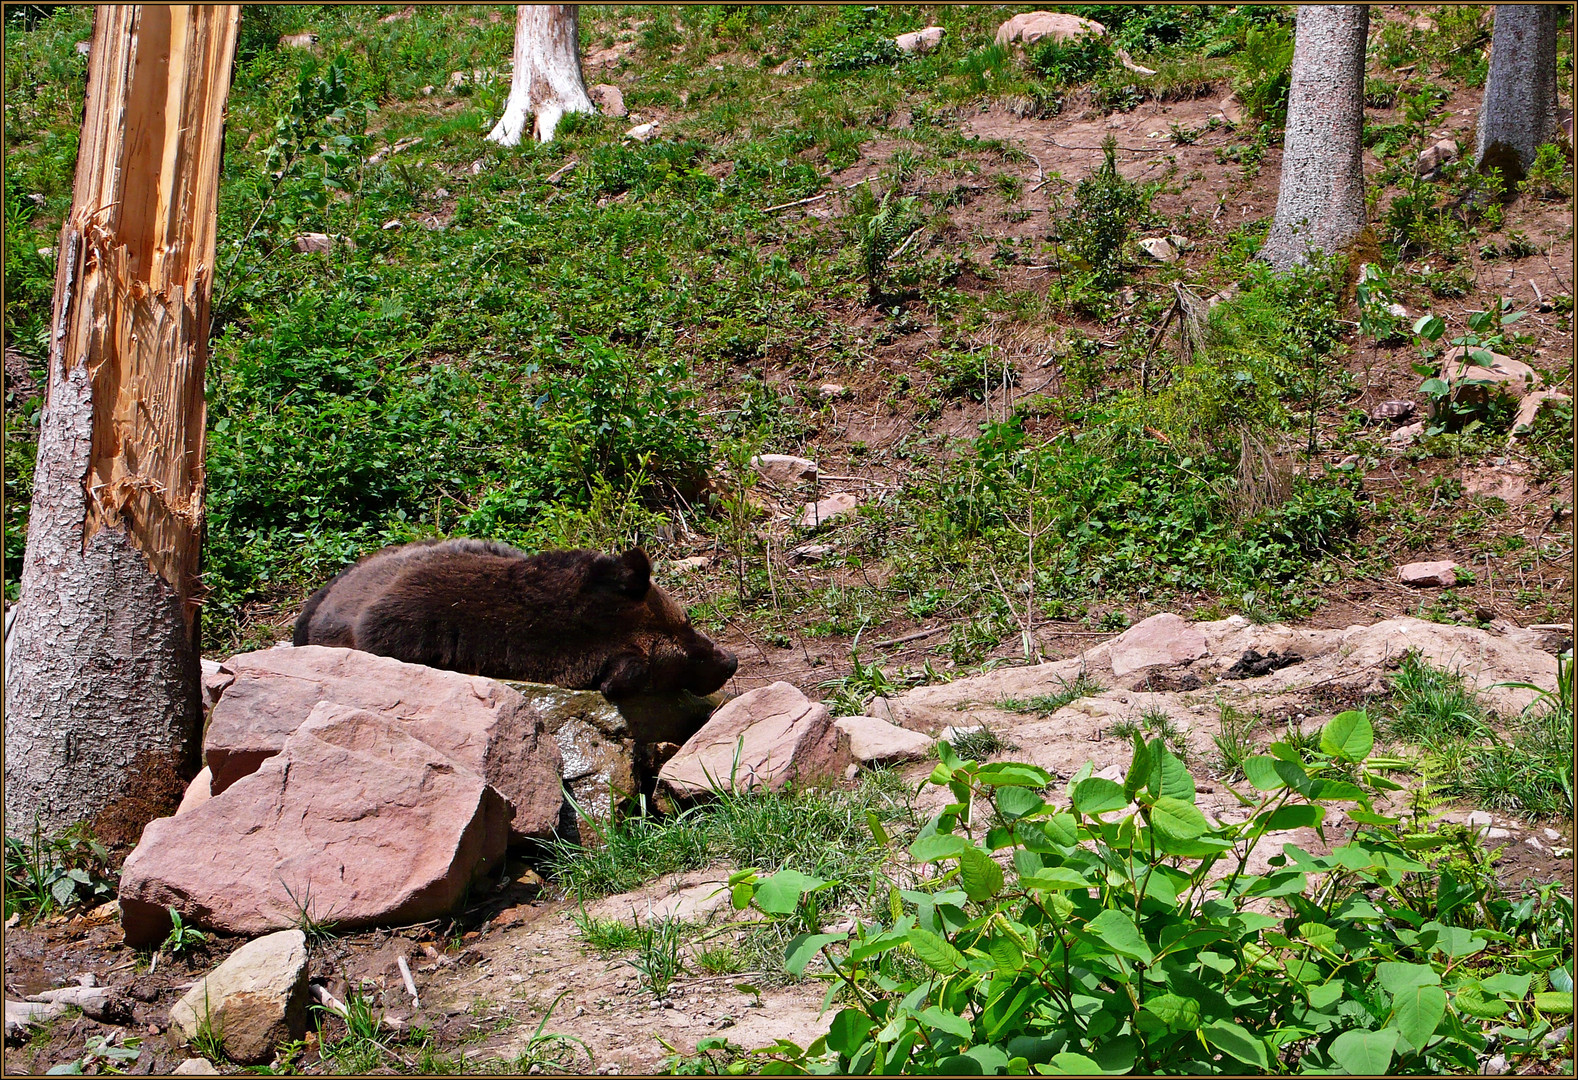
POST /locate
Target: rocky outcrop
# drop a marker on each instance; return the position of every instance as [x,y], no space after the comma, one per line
[481,724]
[877,742]
[1428,575]
[763,739]
[354,822]
[920,41]
[1031,26]
[253,1002]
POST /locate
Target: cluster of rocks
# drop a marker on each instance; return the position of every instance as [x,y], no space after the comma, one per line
[344,787]
[788,476]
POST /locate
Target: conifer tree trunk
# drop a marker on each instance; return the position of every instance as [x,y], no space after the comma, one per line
[546,82]
[1519,111]
[1320,204]
[102,694]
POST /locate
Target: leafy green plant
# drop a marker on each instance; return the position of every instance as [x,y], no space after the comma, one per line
[43,876]
[545,1047]
[981,742]
[1067,939]
[182,938]
[1072,61]
[1046,704]
[1109,205]
[1265,72]
[1234,743]
[880,228]
[1550,177]
[1486,333]
[100,1054]
[1433,707]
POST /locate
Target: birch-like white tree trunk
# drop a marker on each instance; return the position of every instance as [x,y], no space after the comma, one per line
[547,80]
[1518,114]
[1320,204]
[102,693]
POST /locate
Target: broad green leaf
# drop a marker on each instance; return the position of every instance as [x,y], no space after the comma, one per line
[991,1059]
[934,951]
[1055,878]
[1139,769]
[1326,994]
[803,947]
[848,1030]
[1400,978]
[937,846]
[1430,327]
[1554,1001]
[981,877]
[1417,1011]
[1455,940]
[781,893]
[1014,774]
[942,1020]
[1168,778]
[1017,802]
[1261,771]
[1120,934]
[1178,1013]
[1295,816]
[1178,819]
[1320,935]
[1098,795]
[1006,955]
[740,895]
[1069,1063]
[1236,1042]
[1508,985]
[1364,1053]
[1348,736]
[1338,791]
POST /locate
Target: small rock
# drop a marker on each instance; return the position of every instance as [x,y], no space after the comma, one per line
[1497,834]
[1562,852]
[429,90]
[783,469]
[920,41]
[1425,575]
[1479,819]
[643,132]
[1114,773]
[1232,109]
[832,390]
[1470,380]
[1529,410]
[952,734]
[1434,157]
[443,193]
[691,564]
[1534,843]
[317,243]
[1496,1066]
[298,41]
[1554,638]
[812,552]
[873,741]
[1350,462]
[198,1066]
[1551,834]
[1392,410]
[254,1001]
[1404,436]
[392,224]
[608,98]
[84,48]
[1159,249]
[834,506]
[1031,26]
[1397,311]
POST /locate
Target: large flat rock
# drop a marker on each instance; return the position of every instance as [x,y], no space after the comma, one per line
[479,723]
[354,822]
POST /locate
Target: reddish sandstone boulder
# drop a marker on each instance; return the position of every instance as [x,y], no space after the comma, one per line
[765,738]
[481,724]
[354,822]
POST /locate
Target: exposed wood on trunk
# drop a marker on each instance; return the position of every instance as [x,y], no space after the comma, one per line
[104,670]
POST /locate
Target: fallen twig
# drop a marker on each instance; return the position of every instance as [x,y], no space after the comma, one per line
[410,984]
[908,637]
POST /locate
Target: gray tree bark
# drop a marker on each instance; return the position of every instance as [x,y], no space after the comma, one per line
[1320,203]
[546,82]
[1518,114]
[102,690]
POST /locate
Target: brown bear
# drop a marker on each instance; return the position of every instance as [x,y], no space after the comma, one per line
[580,619]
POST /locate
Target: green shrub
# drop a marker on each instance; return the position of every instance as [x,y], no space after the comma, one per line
[1265,72]
[1073,61]
[1109,206]
[1085,939]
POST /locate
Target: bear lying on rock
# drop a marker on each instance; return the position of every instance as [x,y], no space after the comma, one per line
[580,619]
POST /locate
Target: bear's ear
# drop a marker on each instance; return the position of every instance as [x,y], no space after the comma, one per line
[630,574]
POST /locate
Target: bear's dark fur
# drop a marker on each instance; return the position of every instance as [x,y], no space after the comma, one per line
[579,619]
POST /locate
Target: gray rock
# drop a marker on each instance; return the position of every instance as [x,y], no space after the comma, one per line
[761,739]
[874,742]
[1158,248]
[254,1001]
[920,41]
[829,509]
[608,98]
[1434,157]
[1163,640]
[784,470]
[197,1066]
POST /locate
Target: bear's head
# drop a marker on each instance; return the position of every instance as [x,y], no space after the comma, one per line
[660,650]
